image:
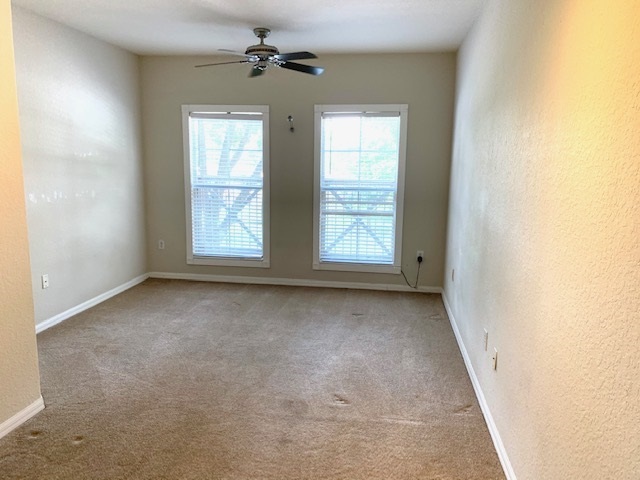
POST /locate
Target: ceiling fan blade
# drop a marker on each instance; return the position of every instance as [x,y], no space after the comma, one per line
[256,72]
[295,56]
[233,52]
[298,67]
[222,63]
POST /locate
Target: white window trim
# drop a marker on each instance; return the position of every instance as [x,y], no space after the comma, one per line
[263,262]
[360,267]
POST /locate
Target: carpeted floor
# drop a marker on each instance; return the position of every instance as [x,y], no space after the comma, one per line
[187,380]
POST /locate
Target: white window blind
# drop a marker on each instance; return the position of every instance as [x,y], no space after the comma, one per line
[226,185]
[358,187]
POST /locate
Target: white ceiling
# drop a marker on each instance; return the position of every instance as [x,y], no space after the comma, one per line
[183,27]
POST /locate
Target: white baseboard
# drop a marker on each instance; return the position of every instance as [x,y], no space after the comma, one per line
[484,406]
[50,322]
[21,417]
[291,282]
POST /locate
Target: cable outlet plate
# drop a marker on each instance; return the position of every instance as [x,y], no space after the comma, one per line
[45,281]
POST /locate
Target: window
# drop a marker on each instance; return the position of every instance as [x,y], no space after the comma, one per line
[359,187]
[227,184]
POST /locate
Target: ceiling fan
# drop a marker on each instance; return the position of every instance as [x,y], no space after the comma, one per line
[261,56]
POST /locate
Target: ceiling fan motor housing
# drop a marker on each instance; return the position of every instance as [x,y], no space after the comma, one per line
[262,49]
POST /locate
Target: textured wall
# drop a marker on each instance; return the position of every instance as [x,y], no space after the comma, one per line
[19,380]
[80,119]
[424,81]
[544,231]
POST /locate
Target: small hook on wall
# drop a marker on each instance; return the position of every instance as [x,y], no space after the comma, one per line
[290,119]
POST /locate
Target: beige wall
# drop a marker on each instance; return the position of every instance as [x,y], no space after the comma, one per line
[19,381]
[80,120]
[424,81]
[544,231]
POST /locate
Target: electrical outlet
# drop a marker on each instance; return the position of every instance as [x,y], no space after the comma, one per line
[160,244]
[495,358]
[45,281]
[419,254]
[486,339]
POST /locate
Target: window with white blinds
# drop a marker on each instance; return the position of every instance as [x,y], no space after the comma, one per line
[360,158]
[226,184]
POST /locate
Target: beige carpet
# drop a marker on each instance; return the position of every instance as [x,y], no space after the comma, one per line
[187,380]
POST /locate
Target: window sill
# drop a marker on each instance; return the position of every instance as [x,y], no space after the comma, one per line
[229,262]
[356,267]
